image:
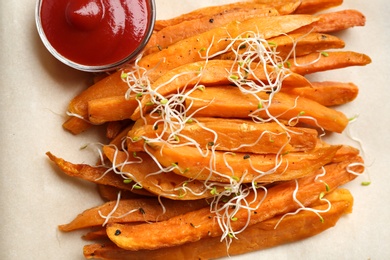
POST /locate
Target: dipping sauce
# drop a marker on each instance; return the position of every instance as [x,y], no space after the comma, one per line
[96,33]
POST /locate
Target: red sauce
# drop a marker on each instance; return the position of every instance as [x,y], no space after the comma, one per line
[95,32]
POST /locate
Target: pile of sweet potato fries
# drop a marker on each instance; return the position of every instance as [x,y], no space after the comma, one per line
[216,134]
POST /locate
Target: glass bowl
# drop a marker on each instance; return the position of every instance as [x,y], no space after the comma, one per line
[84,35]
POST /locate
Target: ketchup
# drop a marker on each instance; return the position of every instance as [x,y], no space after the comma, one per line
[96,32]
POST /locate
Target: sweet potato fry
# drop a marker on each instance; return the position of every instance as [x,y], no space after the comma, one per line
[111,85]
[119,140]
[200,224]
[190,49]
[231,135]
[174,33]
[334,21]
[216,102]
[132,211]
[259,236]
[114,108]
[164,184]
[98,175]
[212,72]
[283,7]
[108,193]
[96,234]
[265,168]
[315,6]
[317,62]
[327,93]
[345,153]
[296,45]
[113,129]
[305,43]
[76,125]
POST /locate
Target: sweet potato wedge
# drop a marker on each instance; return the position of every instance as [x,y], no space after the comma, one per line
[334,22]
[96,234]
[200,224]
[316,62]
[112,85]
[113,128]
[174,33]
[305,43]
[222,167]
[327,93]
[109,193]
[132,211]
[164,184]
[262,235]
[76,125]
[345,153]
[230,135]
[217,102]
[119,139]
[98,175]
[114,108]
[296,44]
[315,6]
[283,7]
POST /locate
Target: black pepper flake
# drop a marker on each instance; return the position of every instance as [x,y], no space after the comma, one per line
[211,20]
[247,156]
[117,232]
[142,211]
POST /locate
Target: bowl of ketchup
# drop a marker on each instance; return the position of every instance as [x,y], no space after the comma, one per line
[95,35]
